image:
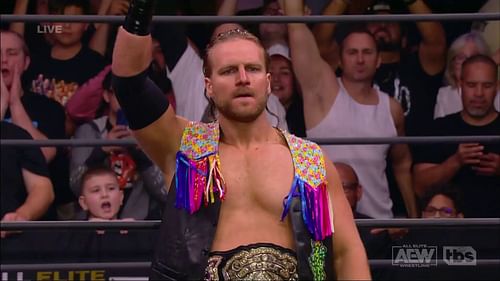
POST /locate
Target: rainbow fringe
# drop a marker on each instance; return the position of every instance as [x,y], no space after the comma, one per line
[315,208]
[197,181]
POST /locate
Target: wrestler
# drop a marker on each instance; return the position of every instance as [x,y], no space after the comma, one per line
[248,201]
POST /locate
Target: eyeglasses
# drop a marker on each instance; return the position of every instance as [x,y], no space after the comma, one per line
[444,211]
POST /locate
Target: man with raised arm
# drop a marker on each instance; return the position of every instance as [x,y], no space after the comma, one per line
[234,212]
[351,107]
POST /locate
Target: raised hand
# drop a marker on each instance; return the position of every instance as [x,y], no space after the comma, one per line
[118,132]
[4,98]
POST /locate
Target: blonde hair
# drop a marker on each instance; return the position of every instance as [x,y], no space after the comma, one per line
[474,37]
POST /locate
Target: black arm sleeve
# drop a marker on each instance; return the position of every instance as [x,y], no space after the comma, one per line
[173,41]
[138,19]
[141,100]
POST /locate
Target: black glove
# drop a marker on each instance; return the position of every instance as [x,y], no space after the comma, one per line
[140,14]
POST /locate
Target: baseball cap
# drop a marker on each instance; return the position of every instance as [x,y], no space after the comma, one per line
[279,49]
[379,7]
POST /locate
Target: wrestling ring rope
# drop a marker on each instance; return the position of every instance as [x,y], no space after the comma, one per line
[18,269]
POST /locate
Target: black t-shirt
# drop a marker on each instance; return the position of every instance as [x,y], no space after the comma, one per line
[481,194]
[49,118]
[14,159]
[47,115]
[59,79]
[414,89]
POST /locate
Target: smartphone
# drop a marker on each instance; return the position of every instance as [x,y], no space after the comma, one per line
[120,118]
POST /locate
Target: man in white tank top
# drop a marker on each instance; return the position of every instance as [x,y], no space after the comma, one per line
[351,107]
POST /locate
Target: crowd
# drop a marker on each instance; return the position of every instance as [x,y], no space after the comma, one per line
[327,80]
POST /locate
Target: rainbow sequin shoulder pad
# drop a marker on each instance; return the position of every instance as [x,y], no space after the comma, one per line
[310,186]
[307,159]
[200,140]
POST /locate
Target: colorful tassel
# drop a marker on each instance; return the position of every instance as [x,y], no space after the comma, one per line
[197,181]
[315,208]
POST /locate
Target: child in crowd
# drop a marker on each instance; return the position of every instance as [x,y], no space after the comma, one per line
[100,196]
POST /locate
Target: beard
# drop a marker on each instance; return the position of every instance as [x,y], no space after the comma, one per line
[477,112]
[387,46]
[241,113]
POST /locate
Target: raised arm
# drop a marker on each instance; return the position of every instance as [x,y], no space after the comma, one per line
[21,118]
[153,122]
[227,8]
[350,261]
[20,8]
[99,39]
[432,49]
[316,78]
[402,161]
[323,32]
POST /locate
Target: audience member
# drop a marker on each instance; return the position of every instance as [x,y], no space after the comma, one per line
[35,34]
[41,117]
[85,105]
[473,167]
[284,85]
[100,194]
[352,189]
[69,64]
[351,107]
[412,79]
[141,180]
[24,178]
[489,29]
[377,241]
[448,98]
[444,202]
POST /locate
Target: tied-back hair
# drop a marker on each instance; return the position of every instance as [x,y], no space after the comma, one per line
[237,33]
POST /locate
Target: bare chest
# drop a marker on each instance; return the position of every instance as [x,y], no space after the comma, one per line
[259,177]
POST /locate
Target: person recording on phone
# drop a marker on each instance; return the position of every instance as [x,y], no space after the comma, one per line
[142,182]
[474,167]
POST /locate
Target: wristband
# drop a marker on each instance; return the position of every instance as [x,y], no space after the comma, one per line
[140,14]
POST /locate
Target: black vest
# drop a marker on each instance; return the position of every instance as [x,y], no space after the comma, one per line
[185,241]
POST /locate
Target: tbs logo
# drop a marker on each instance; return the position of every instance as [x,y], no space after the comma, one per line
[463,255]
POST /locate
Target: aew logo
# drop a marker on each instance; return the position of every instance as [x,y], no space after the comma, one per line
[464,255]
[414,256]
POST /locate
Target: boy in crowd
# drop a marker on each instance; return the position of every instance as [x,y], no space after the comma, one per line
[100,196]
